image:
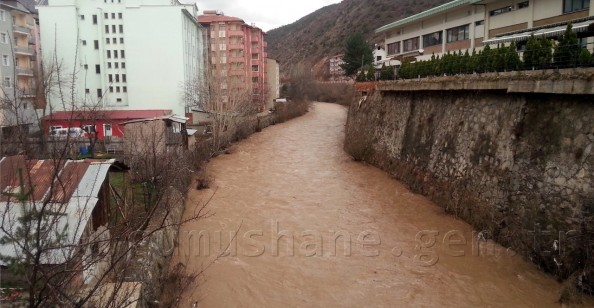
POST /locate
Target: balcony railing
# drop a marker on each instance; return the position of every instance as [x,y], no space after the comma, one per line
[235,46]
[236,59]
[24,71]
[235,33]
[23,51]
[28,93]
[21,30]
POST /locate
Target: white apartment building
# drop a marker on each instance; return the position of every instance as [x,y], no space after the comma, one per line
[127,54]
[272,82]
[467,24]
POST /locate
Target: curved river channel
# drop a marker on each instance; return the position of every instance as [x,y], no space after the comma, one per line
[311,227]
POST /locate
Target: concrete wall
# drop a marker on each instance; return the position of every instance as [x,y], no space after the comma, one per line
[504,161]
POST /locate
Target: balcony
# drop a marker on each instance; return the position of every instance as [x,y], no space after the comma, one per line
[24,72]
[237,72]
[235,46]
[235,33]
[236,60]
[28,93]
[26,51]
[21,30]
[255,38]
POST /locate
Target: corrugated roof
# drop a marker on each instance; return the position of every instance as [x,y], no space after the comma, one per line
[541,32]
[70,189]
[171,117]
[427,13]
[107,114]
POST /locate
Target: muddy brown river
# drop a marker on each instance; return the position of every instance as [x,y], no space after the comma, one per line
[296,222]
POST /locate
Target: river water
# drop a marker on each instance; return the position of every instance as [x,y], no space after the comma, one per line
[359,237]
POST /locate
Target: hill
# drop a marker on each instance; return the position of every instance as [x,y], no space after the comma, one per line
[323,32]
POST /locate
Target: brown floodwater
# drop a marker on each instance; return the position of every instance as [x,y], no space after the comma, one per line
[359,237]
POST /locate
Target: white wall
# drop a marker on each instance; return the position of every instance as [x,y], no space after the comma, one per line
[162,44]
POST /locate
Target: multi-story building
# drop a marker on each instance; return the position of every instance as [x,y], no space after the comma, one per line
[335,69]
[273,82]
[467,24]
[17,52]
[237,57]
[126,54]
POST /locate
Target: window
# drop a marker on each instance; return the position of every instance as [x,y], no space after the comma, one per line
[255,68]
[111,89]
[105,15]
[113,28]
[432,39]
[96,43]
[89,128]
[106,29]
[121,40]
[393,48]
[87,91]
[6,82]
[117,78]
[122,54]
[109,54]
[97,69]
[86,66]
[524,4]
[107,40]
[84,42]
[378,58]
[5,60]
[115,54]
[94,19]
[124,89]
[117,64]
[123,64]
[254,79]
[123,77]
[112,15]
[410,44]
[117,89]
[99,93]
[120,15]
[500,11]
[109,64]
[479,23]
[82,17]
[575,5]
[121,28]
[119,100]
[254,56]
[4,38]
[110,77]
[457,34]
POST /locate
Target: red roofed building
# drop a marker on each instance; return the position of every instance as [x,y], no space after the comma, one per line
[106,123]
[236,56]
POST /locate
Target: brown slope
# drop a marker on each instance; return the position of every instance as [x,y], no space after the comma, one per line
[323,32]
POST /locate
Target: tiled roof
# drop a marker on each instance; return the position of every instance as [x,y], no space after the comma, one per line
[206,19]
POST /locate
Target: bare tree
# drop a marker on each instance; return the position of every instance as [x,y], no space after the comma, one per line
[228,101]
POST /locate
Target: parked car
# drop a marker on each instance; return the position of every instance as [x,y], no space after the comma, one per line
[63,133]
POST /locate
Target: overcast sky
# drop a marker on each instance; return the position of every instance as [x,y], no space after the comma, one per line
[266,14]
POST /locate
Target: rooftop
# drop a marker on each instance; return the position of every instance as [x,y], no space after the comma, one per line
[106,115]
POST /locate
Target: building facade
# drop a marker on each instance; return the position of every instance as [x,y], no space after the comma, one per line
[334,67]
[463,25]
[126,54]
[237,57]
[273,82]
[17,52]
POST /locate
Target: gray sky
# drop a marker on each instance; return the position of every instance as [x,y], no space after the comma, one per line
[266,14]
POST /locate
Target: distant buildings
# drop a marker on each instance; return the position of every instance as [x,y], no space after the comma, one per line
[237,57]
[273,82]
[466,24]
[335,69]
[130,55]
[17,66]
